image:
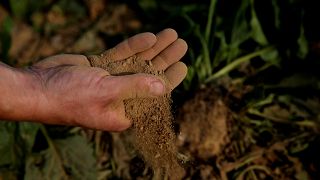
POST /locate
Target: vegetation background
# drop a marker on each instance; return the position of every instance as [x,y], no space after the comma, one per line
[262,56]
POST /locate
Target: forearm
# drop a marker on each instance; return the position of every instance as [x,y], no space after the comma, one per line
[18,90]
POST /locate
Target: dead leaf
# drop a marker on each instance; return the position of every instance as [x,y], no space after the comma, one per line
[55,16]
[276,111]
[24,43]
[96,8]
[121,20]
[88,42]
[3,14]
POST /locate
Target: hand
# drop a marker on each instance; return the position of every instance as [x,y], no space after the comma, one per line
[73,93]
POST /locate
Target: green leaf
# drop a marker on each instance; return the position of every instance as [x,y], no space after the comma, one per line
[303,44]
[28,132]
[211,12]
[17,140]
[71,157]
[272,57]
[297,80]
[5,40]
[147,4]
[241,31]
[206,63]
[241,28]
[44,166]
[257,32]
[7,154]
[276,9]
[266,101]
[19,7]
[236,63]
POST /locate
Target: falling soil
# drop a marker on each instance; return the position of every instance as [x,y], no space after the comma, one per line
[152,130]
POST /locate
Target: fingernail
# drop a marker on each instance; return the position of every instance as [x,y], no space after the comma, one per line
[157,88]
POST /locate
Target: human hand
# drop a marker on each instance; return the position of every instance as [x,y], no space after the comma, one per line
[73,93]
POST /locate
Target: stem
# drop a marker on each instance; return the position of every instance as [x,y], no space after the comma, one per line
[236,63]
[210,19]
[251,168]
[206,54]
[54,151]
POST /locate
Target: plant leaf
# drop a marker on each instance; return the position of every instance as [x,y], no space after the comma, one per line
[72,157]
[6,144]
[28,132]
[19,7]
[303,44]
[257,32]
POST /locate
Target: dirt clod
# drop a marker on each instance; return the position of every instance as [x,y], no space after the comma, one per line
[152,119]
[208,113]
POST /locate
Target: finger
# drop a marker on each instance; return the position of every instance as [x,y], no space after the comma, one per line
[137,86]
[164,39]
[63,59]
[131,46]
[175,74]
[170,55]
[116,119]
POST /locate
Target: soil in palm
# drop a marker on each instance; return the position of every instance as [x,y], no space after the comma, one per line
[153,135]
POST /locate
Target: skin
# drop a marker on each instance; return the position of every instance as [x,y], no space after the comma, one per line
[66,90]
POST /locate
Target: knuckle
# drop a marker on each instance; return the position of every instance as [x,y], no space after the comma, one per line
[110,90]
[142,83]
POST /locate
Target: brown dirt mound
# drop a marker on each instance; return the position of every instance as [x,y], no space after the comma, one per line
[204,124]
[152,119]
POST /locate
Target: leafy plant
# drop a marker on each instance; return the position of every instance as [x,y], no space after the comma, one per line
[215,50]
[70,157]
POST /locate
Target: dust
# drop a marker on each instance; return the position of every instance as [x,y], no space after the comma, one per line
[152,119]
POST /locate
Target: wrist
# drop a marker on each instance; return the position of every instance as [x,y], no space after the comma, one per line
[21,94]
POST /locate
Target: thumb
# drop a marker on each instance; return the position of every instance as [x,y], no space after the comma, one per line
[138,86]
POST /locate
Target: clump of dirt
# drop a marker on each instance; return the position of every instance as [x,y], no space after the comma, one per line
[152,128]
[204,124]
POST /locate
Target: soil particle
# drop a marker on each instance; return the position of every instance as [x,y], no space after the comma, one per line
[153,135]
